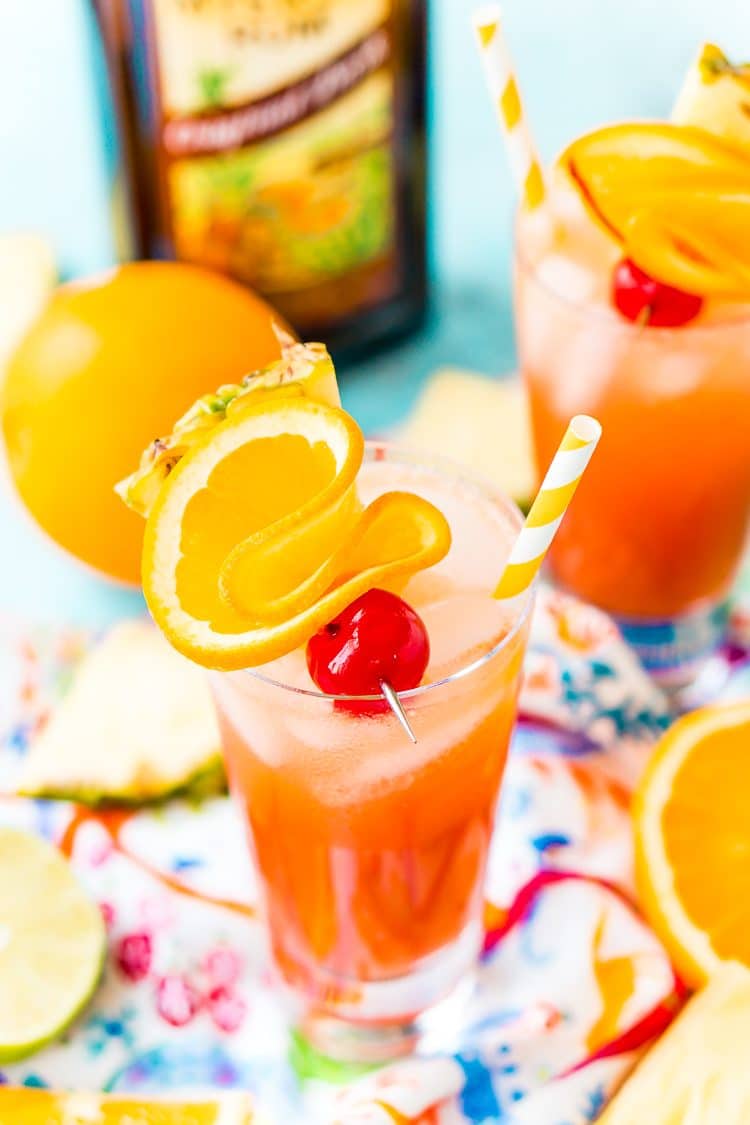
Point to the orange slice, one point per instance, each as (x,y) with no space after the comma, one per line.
(692,833)
(26,1106)
(696,252)
(381,548)
(257,537)
(652,155)
(676,198)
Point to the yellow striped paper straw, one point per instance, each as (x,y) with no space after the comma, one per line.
(503,87)
(548,510)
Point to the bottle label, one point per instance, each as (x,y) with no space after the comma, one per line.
(276,145)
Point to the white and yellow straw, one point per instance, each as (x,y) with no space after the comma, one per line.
(547,512)
(503,88)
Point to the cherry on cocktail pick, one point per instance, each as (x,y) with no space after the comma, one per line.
(378,645)
(640,297)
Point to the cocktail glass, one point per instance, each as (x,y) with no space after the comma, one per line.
(657,529)
(372,851)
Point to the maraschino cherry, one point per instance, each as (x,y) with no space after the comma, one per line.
(375,639)
(640,297)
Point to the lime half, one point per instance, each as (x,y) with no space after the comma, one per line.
(52,944)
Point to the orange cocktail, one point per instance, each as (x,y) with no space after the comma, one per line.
(659,522)
(619,315)
(372,850)
(365,678)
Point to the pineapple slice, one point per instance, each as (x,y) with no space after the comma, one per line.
(304,369)
(136,725)
(27,277)
(698,1070)
(479,422)
(716,97)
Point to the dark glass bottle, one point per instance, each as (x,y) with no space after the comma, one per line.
(281,142)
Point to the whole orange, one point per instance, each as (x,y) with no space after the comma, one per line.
(110,365)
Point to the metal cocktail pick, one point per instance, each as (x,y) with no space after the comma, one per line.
(393,701)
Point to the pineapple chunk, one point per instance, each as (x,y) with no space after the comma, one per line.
(27,277)
(479,422)
(716,97)
(698,1071)
(136,724)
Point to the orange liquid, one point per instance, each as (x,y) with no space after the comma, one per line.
(372,851)
(660,520)
(364,890)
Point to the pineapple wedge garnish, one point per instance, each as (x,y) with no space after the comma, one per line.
(716,97)
(304,369)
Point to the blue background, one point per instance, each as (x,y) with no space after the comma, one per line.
(581,63)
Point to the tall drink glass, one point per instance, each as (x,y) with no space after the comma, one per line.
(371,851)
(656,531)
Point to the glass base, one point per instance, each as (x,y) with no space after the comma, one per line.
(373,1044)
(391,1018)
(678,652)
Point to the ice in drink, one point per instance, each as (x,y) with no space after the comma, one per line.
(371,850)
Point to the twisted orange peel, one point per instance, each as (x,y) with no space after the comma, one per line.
(676,198)
(257,537)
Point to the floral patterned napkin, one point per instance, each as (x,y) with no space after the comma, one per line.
(572,984)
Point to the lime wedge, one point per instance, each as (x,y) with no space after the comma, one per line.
(52,944)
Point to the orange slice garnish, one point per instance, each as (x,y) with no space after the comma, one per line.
(257,537)
(650,159)
(389,541)
(676,198)
(692,825)
(690,250)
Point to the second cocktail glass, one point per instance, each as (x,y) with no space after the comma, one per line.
(657,529)
(632,302)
